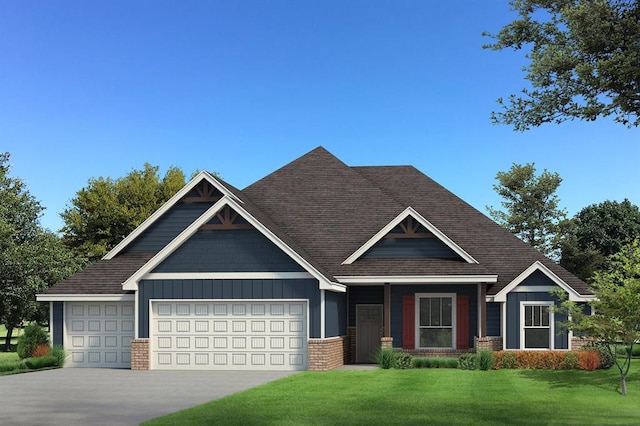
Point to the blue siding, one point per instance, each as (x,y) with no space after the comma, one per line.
(240,250)
(397,292)
(167,227)
(537,278)
(229,289)
(365,295)
(430,248)
(515,322)
(494,326)
(58,323)
(335,314)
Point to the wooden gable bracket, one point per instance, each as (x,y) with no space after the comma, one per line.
(227,218)
(207,193)
(409,227)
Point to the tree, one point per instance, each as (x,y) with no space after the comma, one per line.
(615,320)
(531,205)
(107,210)
(598,231)
(584,61)
(30,258)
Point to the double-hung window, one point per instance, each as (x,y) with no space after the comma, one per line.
(436,314)
(537,325)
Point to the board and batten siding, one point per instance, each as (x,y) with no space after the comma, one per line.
(239,250)
(167,227)
(514,323)
(363,295)
(494,326)
(427,248)
(335,310)
(224,289)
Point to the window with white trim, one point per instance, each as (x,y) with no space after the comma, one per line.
(436,320)
(537,325)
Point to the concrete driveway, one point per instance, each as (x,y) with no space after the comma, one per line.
(100,396)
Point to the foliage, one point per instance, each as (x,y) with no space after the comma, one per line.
(467,361)
(543,360)
(485,360)
(588,360)
(570,361)
(434,362)
(41,349)
(635,351)
(504,360)
(41,362)
(385,358)
(530,206)
(12,366)
(107,210)
(58,352)
(616,305)
(584,61)
(598,231)
(402,360)
(606,356)
(33,336)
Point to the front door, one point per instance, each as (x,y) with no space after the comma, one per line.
(369,328)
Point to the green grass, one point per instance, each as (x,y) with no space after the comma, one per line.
(8,356)
(441,396)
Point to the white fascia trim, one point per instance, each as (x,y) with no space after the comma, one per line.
(85,297)
(501,296)
(132,282)
(409,211)
(418,279)
(227,275)
(166,206)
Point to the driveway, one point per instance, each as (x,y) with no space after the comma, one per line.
(100,396)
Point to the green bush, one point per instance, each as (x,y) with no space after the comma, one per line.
(12,366)
(41,362)
(570,361)
(508,360)
(434,363)
(385,358)
(402,360)
(606,357)
(33,336)
(485,360)
(59,354)
(635,351)
(467,361)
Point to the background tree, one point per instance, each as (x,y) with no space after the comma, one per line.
(598,231)
(584,61)
(616,306)
(107,210)
(30,258)
(530,206)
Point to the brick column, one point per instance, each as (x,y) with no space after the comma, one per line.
(386,342)
(326,354)
(140,354)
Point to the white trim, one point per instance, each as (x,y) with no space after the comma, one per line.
(416,279)
(533,288)
(166,206)
(409,211)
(480,302)
(454,308)
(135,313)
(51,323)
(552,334)
(503,320)
(85,297)
(227,275)
(132,282)
(501,296)
(322,314)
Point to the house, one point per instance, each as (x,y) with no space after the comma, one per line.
(315,265)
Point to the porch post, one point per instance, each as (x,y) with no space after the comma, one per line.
(387,310)
(483,309)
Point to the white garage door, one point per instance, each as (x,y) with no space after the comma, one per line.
(99,334)
(229,335)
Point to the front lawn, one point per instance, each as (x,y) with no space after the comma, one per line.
(430,396)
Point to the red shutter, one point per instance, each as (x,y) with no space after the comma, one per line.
(462,322)
(408,322)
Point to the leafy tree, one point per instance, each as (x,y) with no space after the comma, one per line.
(30,258)
(598,231)
(615,320)
(531,205)
(584,61)
(107,210)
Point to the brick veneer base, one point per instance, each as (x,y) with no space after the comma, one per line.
(488,343)
(386,342)
(578,342)
(326,354)
(140,356)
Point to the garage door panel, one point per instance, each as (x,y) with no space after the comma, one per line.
(99,334)
(229,335)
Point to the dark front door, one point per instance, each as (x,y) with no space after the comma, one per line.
(369,328)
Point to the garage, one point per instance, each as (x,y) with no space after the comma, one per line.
(229,335)
(98,334)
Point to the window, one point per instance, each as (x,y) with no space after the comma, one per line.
(436,320)
(537,325)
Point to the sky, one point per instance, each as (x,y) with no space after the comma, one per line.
(243,87)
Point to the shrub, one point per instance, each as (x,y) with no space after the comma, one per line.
(385,358)
(435,363)
(402,360)
(467,361)
(12,366)
(41,350)
(485,360)
(41,362)
(33,336)
(504,359)
(588,360)
(606,357)
(58,352)
(570,361)
(635,352)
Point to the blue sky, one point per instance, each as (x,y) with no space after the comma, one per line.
(98,88)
